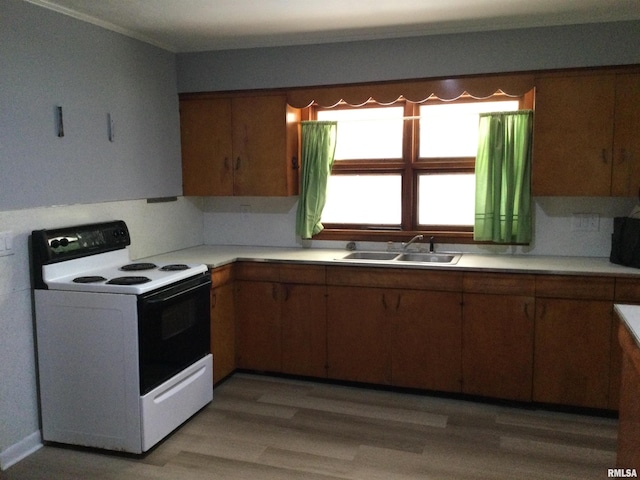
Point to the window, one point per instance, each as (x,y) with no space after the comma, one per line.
(405,168)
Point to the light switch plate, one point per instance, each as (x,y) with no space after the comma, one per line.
(6,243)
(585,222)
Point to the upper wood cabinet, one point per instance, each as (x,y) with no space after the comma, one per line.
(584,140)
(244,145)
(626,142)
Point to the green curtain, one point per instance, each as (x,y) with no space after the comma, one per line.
(318,150)
(503,177)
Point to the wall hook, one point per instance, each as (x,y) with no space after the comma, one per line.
(60,122)
(110,128)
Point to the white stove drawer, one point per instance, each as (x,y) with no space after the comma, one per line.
(169,405)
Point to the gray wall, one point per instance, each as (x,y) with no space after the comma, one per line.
(48,59)
(419,57)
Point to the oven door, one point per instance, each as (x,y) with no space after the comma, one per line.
(173,329)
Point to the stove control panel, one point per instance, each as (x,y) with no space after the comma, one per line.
(61,244)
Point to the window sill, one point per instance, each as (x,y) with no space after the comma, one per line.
(358,235)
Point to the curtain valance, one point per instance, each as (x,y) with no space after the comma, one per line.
(416,91)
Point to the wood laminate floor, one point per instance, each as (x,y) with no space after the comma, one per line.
(267,428)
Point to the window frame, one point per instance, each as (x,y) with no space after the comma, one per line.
(409,167)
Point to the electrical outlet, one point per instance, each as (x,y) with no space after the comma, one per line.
(585,222)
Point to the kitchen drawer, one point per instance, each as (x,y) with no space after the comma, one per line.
(500,284)
(305,274)
(281,273)
(415,279)
(627,290)
(221,275)
(590,288)
(257,271)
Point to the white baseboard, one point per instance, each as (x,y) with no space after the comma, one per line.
(20,450)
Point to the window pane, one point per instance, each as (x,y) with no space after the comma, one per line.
(451,130)
(446,199)
(367,133)
(364,199)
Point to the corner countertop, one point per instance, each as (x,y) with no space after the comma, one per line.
(216,256)
(630,315)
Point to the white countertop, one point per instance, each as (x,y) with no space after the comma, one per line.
(630,315)
(216,256)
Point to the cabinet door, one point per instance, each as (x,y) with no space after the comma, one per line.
(304,329)
(205,132)
(572,355)
(427,346)
(573,135)
(223,332)
(261,163)
(258,321)
(497,345)
(628,454)
(358,334)
(626,144)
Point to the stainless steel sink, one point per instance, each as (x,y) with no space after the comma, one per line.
(415,257)
(448,258)
(371,256)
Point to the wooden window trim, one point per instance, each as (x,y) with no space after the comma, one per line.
(410,167)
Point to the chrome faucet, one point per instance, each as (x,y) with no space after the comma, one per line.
(406,245)
(431,247)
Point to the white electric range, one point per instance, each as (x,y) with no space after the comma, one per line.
(123,347)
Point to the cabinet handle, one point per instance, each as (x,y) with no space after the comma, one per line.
(623,156)
(286,292)
(543,310)
(398,302)
(526,310)
(605,158)
(226,163)
(294,163)
(214,299)
(237,163)
(384,301)
(274,291)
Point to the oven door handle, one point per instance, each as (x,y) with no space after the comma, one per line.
(163,299)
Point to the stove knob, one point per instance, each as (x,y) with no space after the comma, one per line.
(55,243)
(64,242)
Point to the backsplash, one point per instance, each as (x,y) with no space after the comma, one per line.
(271,222)
(155,228)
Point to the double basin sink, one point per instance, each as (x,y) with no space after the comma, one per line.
(414,257)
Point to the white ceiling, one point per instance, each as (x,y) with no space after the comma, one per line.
(199,25)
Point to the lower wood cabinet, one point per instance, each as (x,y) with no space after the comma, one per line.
(541,338)
(426,344)
(627,292)
(628,454)
(395,327)
(223,323)
(497,335)
(259,328)
(573,341)
(358,334)
(281,318)
(304,329)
